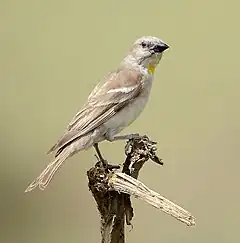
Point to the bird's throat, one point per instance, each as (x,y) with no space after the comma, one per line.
(151,68)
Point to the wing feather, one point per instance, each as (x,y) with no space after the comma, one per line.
(102,104)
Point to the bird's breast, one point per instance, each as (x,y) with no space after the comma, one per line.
(130,112)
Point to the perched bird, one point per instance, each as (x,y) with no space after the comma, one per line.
(113,105)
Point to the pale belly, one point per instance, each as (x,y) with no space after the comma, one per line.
(128,114)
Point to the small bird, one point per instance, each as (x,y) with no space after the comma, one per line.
(113,105)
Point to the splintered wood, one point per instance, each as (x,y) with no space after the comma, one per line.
(112,191)
(126,184)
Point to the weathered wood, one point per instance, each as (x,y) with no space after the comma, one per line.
(112,189)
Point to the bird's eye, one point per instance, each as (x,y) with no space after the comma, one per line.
(144,44)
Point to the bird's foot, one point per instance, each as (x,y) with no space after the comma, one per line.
(104,164)
(112,167)
(111,138)
(133,136)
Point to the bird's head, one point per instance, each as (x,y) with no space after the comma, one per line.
(147,51)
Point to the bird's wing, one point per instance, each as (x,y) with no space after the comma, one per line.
(118,89)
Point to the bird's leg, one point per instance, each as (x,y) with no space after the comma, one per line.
(111,138)
(102,160)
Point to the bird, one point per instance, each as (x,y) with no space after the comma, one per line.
(112,106)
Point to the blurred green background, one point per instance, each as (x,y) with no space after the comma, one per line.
(52,53)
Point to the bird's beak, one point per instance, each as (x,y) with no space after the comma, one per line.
(159,48)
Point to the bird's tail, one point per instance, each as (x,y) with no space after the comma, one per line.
(46,176)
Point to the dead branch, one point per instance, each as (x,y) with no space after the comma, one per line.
(112,189)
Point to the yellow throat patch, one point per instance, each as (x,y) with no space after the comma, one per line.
(151,68)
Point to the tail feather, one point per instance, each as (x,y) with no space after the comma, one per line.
(47,174)
(62,154)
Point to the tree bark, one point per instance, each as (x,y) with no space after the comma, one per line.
(111,190)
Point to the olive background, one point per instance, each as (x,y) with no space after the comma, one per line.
(52,53)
